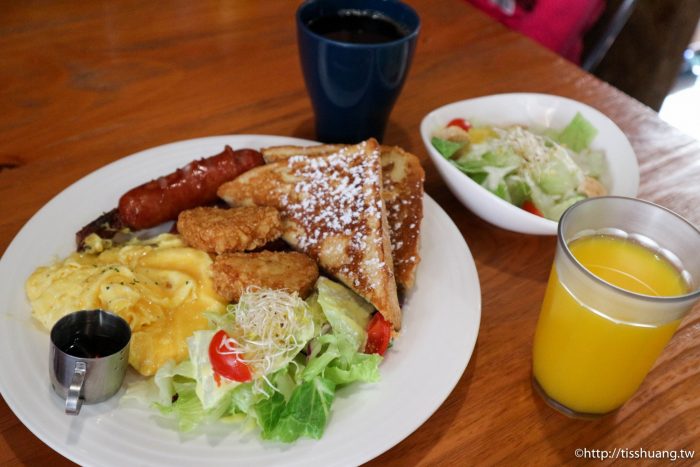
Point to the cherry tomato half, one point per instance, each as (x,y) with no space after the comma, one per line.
(530,207)
(460,122)
(225,360)
(378,334)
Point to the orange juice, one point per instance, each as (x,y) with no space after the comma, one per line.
(586,360)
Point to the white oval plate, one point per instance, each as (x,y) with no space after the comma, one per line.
(537,111)
(441,322)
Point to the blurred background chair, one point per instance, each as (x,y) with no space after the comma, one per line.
(601,37)
(645,56)
(637,46)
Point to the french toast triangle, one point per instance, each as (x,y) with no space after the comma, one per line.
(402,191)
(332,210)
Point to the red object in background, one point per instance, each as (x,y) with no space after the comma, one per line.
(559,25)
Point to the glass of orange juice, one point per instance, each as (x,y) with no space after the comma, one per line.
(625,273)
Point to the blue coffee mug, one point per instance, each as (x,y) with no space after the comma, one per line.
(353,86)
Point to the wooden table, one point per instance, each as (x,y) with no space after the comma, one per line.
(85,83)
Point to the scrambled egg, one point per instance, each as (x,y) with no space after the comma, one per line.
(159,286)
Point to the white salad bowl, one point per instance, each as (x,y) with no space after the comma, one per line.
(541,111)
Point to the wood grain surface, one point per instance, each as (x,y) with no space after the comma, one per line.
(85,83)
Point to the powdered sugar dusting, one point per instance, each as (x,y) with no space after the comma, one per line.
(338,196)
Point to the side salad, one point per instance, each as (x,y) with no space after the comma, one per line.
(543,172)
(273,361)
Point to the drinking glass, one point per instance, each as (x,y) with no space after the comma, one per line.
(595,342)
(353,85)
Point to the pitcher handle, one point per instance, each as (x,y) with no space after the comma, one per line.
(74,401)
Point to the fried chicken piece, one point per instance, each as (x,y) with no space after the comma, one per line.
(216,230)
(292,271)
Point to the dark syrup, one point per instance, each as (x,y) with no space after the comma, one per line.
(85,346)
(358,27)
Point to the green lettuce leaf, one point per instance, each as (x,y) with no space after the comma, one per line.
(489,168)
(305,414)
(495,180)
(188,409)
(242,398)
(556,210)
(501,157)
(333,356)
(361,367)
(470,166)
(556,176)
(518,190)
(268,413)
(578,134)
(502,191)
(318,317)
(347,312)
(446,147)
(592,162)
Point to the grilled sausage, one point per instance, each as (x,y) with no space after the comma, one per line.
(162,199)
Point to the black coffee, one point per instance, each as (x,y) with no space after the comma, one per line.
(84,346)
(360,27)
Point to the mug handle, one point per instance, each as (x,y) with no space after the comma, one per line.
(74,401)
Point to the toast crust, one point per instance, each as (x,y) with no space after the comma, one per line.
(402,183)
(332,209)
